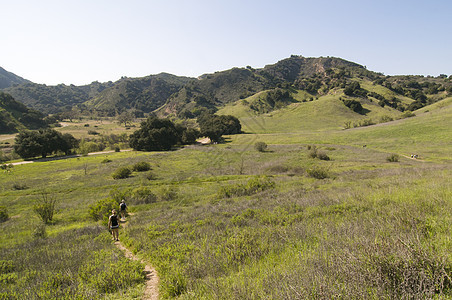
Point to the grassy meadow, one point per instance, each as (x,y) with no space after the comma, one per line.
(229,222)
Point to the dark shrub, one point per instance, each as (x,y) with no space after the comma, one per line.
(141,166)
(151,176)
(18,186)
(253,186)
(312,153)
(322,156)
(260,146)
(318,173)
(3,214)
(393,158)
(121,173)
(102,209)
(144,195)
(45,208)
(39,232)
(168,194)
(106,160)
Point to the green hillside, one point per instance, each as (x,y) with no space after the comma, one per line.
(15,116)
(144,94)
(186,98)
(8,79)
(54,99)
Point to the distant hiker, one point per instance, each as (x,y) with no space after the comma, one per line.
(113,224)
(122,209)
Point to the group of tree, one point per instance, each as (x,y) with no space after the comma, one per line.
(215,126)
(44,142)
(353,105)
(272,99)
(157,134)
(354,89)
(160,135)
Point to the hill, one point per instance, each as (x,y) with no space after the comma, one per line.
(8,79)
(54,99)
(313,77)
(143,95)
(183,97)
(15,116)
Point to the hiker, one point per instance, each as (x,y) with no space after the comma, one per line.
(122,209)
(113,224)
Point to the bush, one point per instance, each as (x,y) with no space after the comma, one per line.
(106,160)
(407,114)
(86,147)
(45,208)
(322,156)
(39,232)
(102,209)
(122,173)
(260,146)
(141,166)
(253,186)
(313,152)
(318,173)
(6,266)
(143,195)
(18,186)
(151,176)
(393,158)
(384,119)
(117,149)
(168,194)
(3,214)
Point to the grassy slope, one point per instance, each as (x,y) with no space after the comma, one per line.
(297,239)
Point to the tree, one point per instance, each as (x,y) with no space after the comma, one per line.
(27,144)
(187,136)
(30,144)
(154,135)
(214,127)
(353,105)
(125,117)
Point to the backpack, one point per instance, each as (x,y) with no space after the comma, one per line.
(114,220)
(123,206)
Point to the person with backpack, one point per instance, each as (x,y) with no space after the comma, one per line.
(122,209)
(113,224)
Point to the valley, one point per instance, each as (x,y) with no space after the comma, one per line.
(331,205)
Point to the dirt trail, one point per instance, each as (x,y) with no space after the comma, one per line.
(151,291)
(413,158)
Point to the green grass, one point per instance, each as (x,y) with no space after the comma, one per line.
(230,222)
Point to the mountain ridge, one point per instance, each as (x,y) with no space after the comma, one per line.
(186,97)
(8,79)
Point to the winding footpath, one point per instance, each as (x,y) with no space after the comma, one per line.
(151,291)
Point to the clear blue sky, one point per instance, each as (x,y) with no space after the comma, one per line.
(80,41)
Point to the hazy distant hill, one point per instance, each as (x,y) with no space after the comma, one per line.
(8,79)
(15,116)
